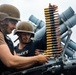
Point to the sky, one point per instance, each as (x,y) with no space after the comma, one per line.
(36,8)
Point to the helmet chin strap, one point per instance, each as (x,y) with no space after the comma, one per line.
(21,40)
(16,39)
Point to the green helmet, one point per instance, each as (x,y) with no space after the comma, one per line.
(24,27)
(10,10)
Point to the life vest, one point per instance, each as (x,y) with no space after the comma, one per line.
(3,68)
(9,43)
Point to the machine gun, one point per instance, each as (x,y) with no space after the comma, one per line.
(61,65)
(56,67)
(70,22)
(65,30)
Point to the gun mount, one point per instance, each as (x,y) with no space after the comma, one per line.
(62,65)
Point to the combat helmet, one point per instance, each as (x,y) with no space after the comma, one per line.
(11,11)
(24,26)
